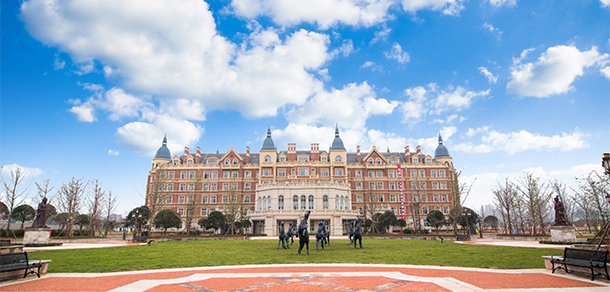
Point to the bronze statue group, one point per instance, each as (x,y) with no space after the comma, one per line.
(322,235)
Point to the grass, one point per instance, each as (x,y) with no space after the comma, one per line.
(179,254)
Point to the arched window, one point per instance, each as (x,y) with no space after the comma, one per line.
(378,161)
(303,201)
(338,158)
(310,202)
(370,161)
(325,202)
(264,203)
(260,203)
(295,203)
(267,158)
(227,161)
(337,202)
(235,161)
(341,207)
(269,206)
(280,202)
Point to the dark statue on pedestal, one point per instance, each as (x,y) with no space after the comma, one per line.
(320,236)
(303,233)
(560,216)
(41,215)
(283,237)
(357,233)
(351,232)
(290,233)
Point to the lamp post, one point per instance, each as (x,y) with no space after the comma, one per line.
(606,165)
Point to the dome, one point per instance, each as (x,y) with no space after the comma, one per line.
(337,143)
(268,143)
(163,152)
(441,150)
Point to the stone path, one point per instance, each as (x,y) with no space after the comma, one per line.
(313,277)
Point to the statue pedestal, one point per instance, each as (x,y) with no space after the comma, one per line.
(563,234)
(36,235)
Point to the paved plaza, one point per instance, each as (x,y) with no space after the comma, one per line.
(314,277)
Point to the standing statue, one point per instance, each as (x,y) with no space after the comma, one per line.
(283,237)
(326,233)
(560,216)
(304,233)
(320,236)
(290,233)
(357,233)
(351,232)
(41,215)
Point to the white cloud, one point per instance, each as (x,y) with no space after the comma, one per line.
(554,71)
(414,108)
(397,54)
(429,144)
(28,172)
(493,29)
(85,112)
(57,63)
(458,99)
(498,3)
(121,104)
(374,66)
(605,71)
(113,152)
(381,35)
(324,13)
(490,77)
(448,7)
(523,140)
(605,3)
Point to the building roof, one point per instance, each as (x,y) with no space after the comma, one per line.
(163,151)
(337,143)
(268,143)
(441,150)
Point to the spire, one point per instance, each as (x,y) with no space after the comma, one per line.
(388,149)
(163,152)
(268,143)
(165,140)
(336,130)
(269,130)
(337,143)
(441,150)
(440,139)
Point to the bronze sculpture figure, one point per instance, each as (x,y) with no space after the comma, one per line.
(41,215)
(320,235)
(304,233)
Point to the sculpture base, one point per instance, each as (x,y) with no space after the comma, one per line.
(563,234)
(36,235)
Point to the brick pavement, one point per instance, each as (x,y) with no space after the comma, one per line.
(313,277)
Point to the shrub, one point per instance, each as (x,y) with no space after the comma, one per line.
(407,231)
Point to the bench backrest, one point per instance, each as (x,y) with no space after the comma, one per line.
(16,258)
(599,256)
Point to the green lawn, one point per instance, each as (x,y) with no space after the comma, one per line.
(178,254)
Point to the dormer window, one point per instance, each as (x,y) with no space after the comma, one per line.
(282,158)
(338,158)
(267,158)
(235,161)
(378,161)
(324,159)
(370,161)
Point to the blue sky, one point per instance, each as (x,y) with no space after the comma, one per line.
(89,88)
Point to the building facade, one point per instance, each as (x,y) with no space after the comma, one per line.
(272,186)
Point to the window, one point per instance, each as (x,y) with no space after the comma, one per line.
(189,199)
(413,173)
(441,173)
(235,161)
(424,198)
(378,161)
(394,210)
(295,203)
(436,199)
(341,201)
(226,174)
(227,161)
(225,199)
(267,158)
(214,187)
(161,187)
(170,187)
(415,198)
(181,212)
(434,185)
(310,201)
(422,185)
(415,160)
(338,171)
(292,171)
(391,173)
(433,173)
(443,186)
(303,201)
(269,201)
(358,186)
(191,174)
(358,173)
(313,171)
(248,174)
(424,210)
(281,172)
(212,162)
(303,171)
(159,200)
(371,161)
(338,158)
(206,174)
(191,187)
(183,187)
(324,171)
(445,210)
(380,198)
(247,187)
(168,200)
(163,175)
(260,203)
(392,198)
(336,202)
(379,173)
(234,174)
(414,186)
(204,199)
(371,173)
(225,186)
(266,171)
(392,186)
(214,174)
(359,198)
(325,202)
(360,210)
(213,199)
(171,175)
(380,186)
(371,186)
(246,199)
(204,212)
(233,187)
(444,198)
(422,173)
(280,202)
(282,158)
(302,159)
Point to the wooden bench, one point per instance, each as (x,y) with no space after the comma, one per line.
(586,258)
(19,261)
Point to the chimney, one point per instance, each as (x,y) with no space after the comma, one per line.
(247,154)
(358,155)
(198,155)
(418,149)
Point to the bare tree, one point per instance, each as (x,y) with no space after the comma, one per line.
(193,200)
(155,197)
(590,198)
(13,196)
(536,198)
(94,204)
(371,207)
(559,189)
(505,199)
(110,205)
(460,192)
(44,190)
(234,209)
(70,200)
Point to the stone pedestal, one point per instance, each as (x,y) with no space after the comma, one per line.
(36,235)
(563,234)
